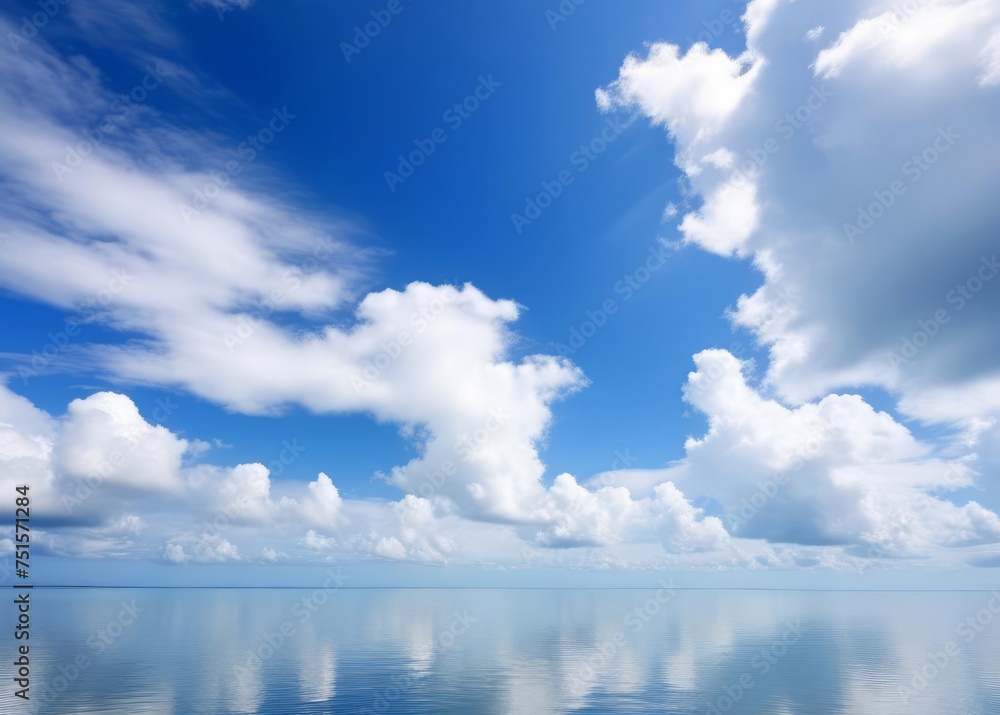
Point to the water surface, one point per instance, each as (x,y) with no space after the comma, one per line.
(408,651)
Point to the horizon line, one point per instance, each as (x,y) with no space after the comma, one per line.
(526,588)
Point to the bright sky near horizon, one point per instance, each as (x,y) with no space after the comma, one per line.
(617,288)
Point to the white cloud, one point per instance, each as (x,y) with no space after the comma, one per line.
(323,507)
(105,437)
(174,553)
(900,99)
(900,38)
(389,548)
(833,472)
(201,548)
(728,218)
(690,94)
(815,33)
(991,62)
(610,516)
(316,542)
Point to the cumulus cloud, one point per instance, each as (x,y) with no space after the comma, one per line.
(908,36)
(580,517)
(829,475)
(862,186)
(834,471)
(104,435)
(203,548)
(831,483)
(116,482)
(99,497)
(692,94)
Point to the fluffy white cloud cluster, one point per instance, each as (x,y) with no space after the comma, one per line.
(107,476)
(106,435)
(829,472)
(854,166)
(111,483)
(609,515)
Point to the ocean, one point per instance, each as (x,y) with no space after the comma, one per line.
(406,651)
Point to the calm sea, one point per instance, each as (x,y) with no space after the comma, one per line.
(202,651)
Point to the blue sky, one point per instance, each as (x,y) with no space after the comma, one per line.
(745,278)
